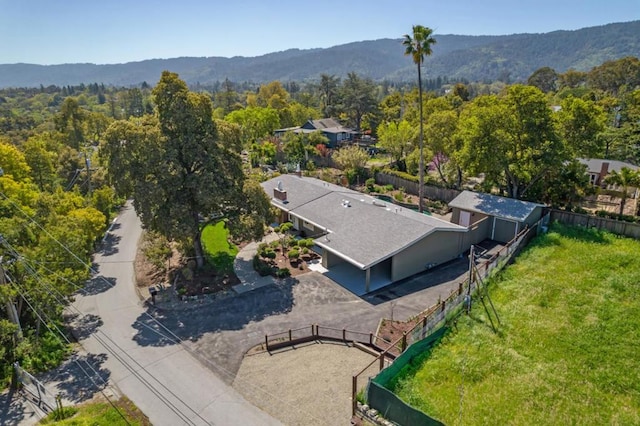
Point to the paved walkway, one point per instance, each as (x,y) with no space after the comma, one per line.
(243,265)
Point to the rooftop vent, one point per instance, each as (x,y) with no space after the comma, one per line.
(346,203)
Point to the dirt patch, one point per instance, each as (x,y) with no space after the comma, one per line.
(179,275)
(306,385)
(296,266)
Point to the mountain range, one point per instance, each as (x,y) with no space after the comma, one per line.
(510,58)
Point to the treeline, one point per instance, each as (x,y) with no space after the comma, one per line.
(70,155)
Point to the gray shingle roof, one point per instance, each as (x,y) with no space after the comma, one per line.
(492,205)
(364,233)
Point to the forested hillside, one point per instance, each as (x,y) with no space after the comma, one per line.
(509,58)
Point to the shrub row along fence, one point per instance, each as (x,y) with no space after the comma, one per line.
(427,333)
(628,229)
(431,192)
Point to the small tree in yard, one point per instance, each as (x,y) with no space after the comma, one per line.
(352,160)
(625,179)
(282,236)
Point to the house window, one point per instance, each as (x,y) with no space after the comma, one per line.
(339,136)
(593,178)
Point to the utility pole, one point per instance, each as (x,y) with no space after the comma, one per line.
(12,313)
(87,163)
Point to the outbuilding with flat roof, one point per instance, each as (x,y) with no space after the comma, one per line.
(501,218)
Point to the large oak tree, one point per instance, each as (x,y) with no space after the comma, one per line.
(177,169)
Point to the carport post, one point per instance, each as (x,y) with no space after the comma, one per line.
(367,280)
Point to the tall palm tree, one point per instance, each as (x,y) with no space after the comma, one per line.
(418,47)
(625,179)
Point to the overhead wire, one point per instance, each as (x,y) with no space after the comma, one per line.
(119,357)
(174,338)
(46,324)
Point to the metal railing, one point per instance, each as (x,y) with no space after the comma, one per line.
(296,336)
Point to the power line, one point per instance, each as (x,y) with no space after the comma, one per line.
(121,358)
(46,324)
(175,338)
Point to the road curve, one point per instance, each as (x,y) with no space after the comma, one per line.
(164,380)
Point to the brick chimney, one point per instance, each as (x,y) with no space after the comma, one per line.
(279,193)
(604,171)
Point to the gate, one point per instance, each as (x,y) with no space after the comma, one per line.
(35,389)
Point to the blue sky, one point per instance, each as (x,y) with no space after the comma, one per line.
(116,31)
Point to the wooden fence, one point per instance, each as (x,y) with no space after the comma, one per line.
(297,336)
(431,192)
(619,227)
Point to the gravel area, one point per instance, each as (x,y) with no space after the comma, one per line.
(306,385)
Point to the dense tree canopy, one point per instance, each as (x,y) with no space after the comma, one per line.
(511,139)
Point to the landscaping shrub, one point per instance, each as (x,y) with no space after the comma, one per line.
(370,184)
(283,273)
(157,250)
(306,243)
(269,254)
(403,175)
(261,267)
(293,254)
(399,196)
(616,216)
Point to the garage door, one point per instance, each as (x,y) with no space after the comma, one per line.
(504,230)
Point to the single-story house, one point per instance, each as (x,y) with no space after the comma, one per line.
(599,168)
(330,128)
(368,242)
(492,217)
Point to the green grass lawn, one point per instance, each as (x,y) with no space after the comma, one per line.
(218,250)
(568,349)
(102,414)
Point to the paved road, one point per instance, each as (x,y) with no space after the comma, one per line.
(160,376)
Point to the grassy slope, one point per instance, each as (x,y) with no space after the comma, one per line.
(568,351)
(218,249)
(103,414)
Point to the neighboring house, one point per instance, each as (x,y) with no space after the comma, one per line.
(492,217)
(330,128)
(365,243)
(599,168)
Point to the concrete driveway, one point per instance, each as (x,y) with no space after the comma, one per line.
(221,332)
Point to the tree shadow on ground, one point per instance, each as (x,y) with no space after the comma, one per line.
(228,313)
(109,244)
(222,262)
(98,284)
(83,326)
(15,410)
(80,377)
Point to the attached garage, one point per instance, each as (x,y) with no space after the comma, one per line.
(366,243)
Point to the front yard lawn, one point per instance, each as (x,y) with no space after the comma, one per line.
(568,349)
(220,252)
